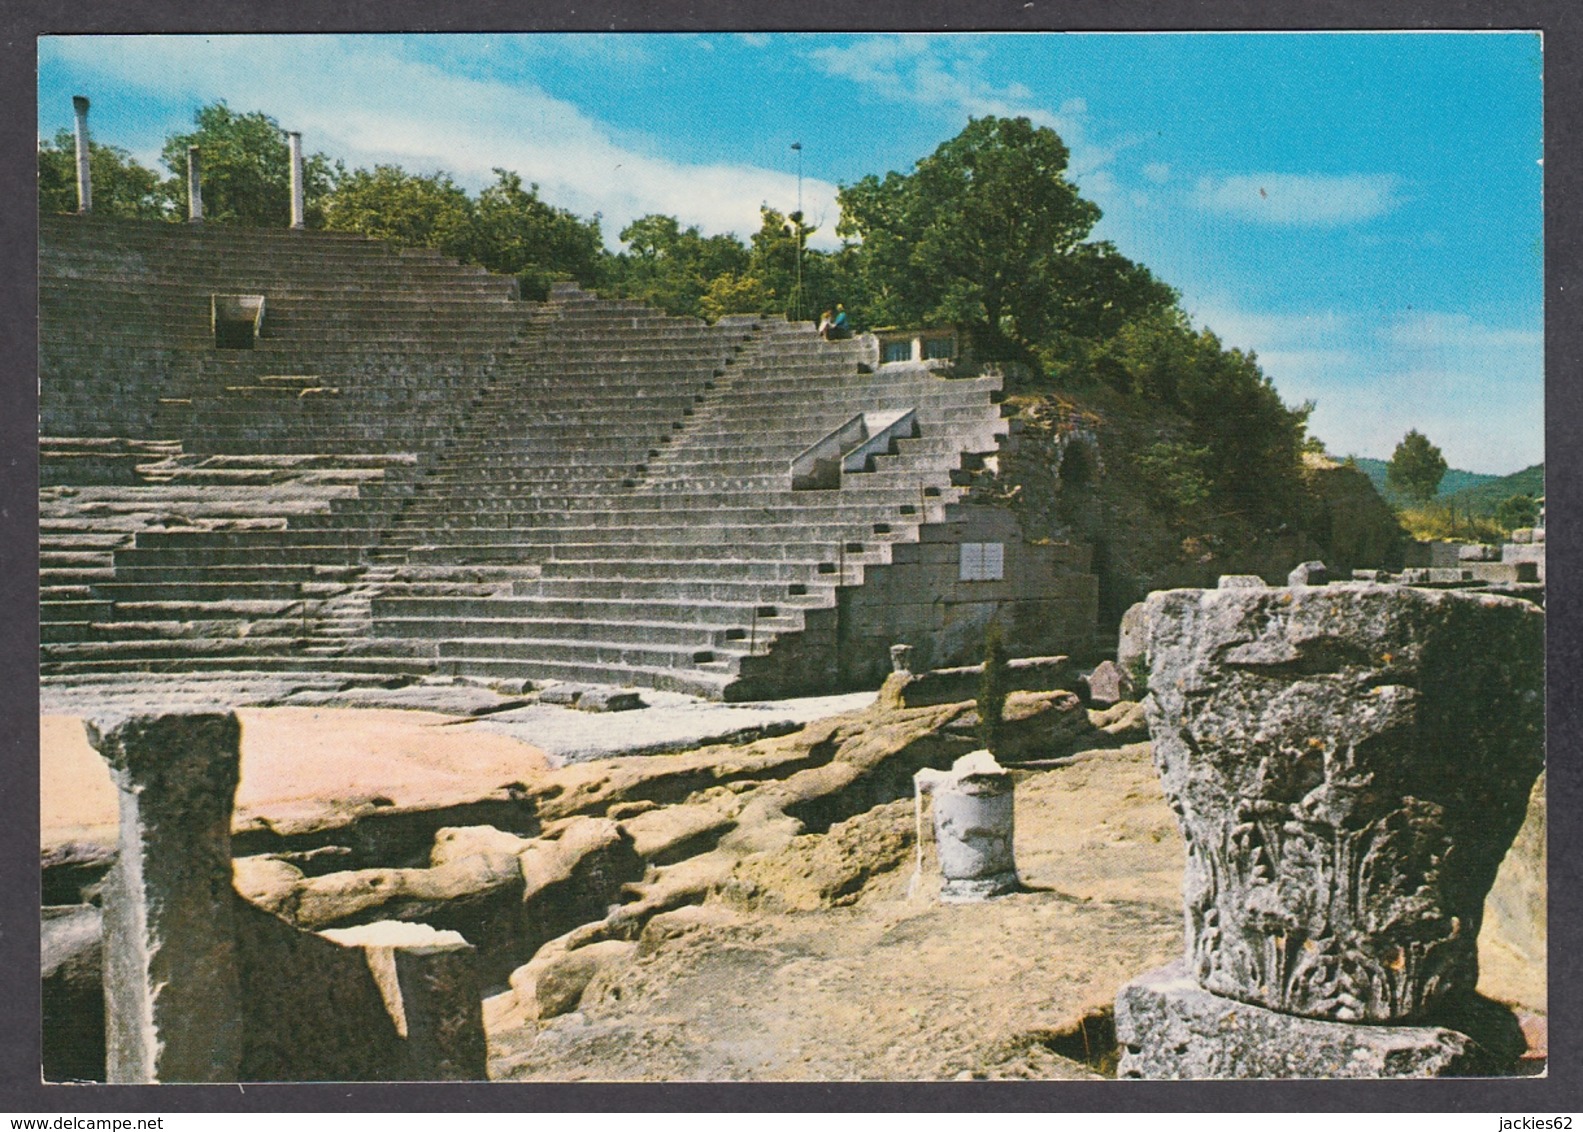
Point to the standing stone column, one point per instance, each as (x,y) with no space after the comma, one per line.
(172,992)
(84,177)
(1348,765)
(194,186)
(298,212)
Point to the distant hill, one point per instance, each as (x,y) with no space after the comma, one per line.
(1483,498)
(1455,480)
(1473,491)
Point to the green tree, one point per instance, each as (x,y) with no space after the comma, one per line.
(988,233)
(735,294)
(121,187)
(517,233)
(677,269)
(1416,467)
(245,170)
(773,261)
(1517,511)
(1244,453)
(993,686)
(411,209)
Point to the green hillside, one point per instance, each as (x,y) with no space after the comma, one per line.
(1463,493)
(1483,498)
(1455,482)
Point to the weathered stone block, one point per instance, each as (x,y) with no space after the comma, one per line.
(1170,1028)
(1348,766)
(71,965)
(171,985)
(429,981)
(600,698)
(1309,574)
(953,685)
(1107,684)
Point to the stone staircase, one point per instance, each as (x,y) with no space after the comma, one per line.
(694,565)
(412,471)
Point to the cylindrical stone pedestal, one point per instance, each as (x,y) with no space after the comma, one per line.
(973,826)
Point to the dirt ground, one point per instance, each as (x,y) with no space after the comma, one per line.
(821,958)
(298,765)
(892,987)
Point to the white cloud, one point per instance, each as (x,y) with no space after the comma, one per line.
(1474,388)
(360,99)
(1458,333)
(1157,171)
(947,74)
(1297,199)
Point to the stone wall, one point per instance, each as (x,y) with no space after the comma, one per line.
(1046,600)
(200,985)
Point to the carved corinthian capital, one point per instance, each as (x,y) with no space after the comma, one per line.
(1349,765)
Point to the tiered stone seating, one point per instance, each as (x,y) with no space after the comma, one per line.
(413,471)
(366,358)
(130,576)
(696,574)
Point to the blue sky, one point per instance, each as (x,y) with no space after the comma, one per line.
(1362,210)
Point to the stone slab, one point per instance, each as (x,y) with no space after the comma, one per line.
(1170,1028)
(954,685)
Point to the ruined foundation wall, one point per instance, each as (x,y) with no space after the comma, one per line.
(1046,600)
(202,986)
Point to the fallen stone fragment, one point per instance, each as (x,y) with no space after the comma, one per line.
(563,695)
(954,685)
(1125,721)
(1309,574)
(609,699)
(1106,684)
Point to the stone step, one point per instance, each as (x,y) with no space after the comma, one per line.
(620,642)
(692,681)
(212,555)
(579,616)
(612,656)
(209,590)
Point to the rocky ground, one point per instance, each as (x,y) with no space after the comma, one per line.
(824,961)
(738,911)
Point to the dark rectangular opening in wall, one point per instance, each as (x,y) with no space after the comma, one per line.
(236,320)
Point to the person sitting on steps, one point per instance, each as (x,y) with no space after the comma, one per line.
(826,325)
(839,327)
